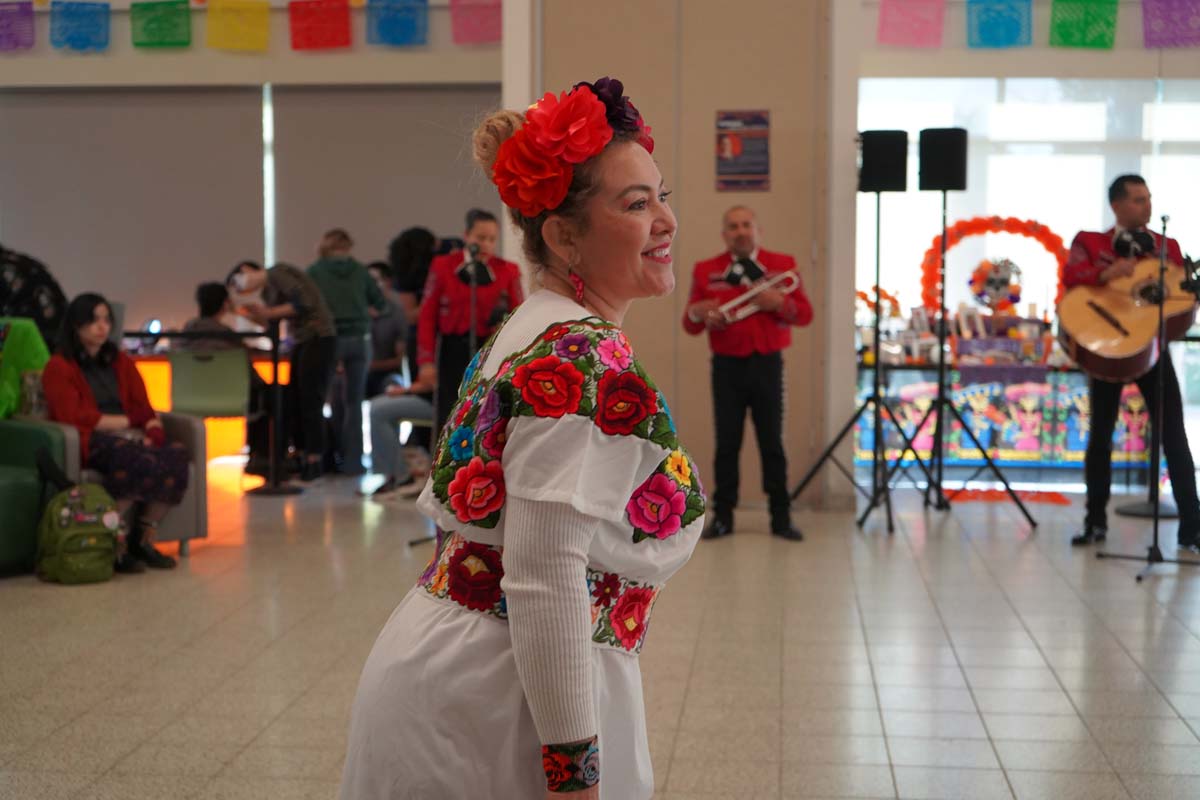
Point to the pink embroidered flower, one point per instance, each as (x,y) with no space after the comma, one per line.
(630,614)
(657,507)
(614,355)
(495,438)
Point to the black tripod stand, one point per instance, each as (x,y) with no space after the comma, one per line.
(1154,552)
(942,405)
(880,490)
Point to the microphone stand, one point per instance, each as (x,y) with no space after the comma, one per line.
(1154,552)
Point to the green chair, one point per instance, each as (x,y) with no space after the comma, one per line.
(210,384)
(21,488)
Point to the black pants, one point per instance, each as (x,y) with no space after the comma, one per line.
(752,382)
(1106,403)
(312,368)
(453,357)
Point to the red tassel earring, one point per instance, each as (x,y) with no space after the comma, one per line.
(577,282)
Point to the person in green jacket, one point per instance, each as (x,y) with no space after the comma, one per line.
(353,297)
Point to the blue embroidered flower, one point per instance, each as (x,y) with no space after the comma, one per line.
(471,370)
(662,405)
(462,443)
(573,345)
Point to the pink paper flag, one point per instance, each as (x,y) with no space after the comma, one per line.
(1171,23)
(911,23)
(475,21)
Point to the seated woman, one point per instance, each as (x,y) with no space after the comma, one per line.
(91,384)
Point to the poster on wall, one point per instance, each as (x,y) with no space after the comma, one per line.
(743,151)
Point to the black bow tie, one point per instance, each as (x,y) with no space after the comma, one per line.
(483,276)
(743,271)
(1131,244)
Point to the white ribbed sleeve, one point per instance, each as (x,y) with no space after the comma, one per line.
(549,614)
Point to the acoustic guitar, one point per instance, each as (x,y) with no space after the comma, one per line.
(1111,331)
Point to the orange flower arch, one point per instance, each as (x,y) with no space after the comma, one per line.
(886,298)
(977,226)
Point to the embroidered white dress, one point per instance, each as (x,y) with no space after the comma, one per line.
(555,410)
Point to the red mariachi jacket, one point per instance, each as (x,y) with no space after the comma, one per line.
(69,397)
(1092,253)
(446,303)
(759,333)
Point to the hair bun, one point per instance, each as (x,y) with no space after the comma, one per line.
(492,133)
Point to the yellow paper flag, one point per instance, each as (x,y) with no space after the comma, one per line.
(239,24)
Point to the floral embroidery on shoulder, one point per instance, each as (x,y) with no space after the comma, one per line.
(668,501)
(584,368)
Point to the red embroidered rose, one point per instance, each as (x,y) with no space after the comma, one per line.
(622,401)
(629,616)
(556,333)
(474,574)
(606,589)
(551,386)
(463,410)
(557,767)
(477,490)
(573,126)
(529,179)
(495,438)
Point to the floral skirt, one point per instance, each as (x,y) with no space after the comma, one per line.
(133,471)
(440,713)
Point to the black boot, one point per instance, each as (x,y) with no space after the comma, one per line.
(722,525)
(140,546)
(1091,533)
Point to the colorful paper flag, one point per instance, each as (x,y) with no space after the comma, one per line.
(475,21)
(161,24)
(1171,23)
(911,23)
(319,24)
(239,25)
(999,23)
(79,26)
(1083,23)
(16,26)
(398,23)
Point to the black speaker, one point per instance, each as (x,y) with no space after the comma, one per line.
(884,161)
(943,159)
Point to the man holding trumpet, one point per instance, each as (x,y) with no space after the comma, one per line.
(747,299)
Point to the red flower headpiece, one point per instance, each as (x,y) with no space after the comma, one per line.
(534,167)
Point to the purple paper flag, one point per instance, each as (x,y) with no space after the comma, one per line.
(16,26)
(911,23)
(475,21)
(1171,23)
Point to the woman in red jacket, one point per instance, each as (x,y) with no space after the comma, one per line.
(444,325)
(91,384)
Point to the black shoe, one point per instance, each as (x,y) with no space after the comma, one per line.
(128,565)
(259,466)
(791,533)
(1188,536)
(152,558)
(718,528)
(311,471)
(1091,533)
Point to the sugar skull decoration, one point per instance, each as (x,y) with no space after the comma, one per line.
(995,285)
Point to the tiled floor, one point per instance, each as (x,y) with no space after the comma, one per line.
(961,658)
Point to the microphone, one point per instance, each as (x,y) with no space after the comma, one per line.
(473,251)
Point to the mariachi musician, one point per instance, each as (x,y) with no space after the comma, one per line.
(747,363)
(1096,259)
(445,330)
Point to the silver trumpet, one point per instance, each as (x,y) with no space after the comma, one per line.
(743,306)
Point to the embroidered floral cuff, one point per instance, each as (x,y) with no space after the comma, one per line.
(571,767)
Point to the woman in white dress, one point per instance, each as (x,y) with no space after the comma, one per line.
(510,670)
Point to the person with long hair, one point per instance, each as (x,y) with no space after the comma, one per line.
(91,384)
(511,669)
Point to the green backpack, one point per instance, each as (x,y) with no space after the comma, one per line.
(77,537)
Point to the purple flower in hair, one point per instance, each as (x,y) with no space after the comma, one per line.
(619,111)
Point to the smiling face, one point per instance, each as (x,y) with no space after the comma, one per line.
(625,252)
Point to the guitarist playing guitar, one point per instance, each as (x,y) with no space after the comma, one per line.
(1096,259)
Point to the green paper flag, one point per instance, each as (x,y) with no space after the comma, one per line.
(1083,23)
(161,24)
